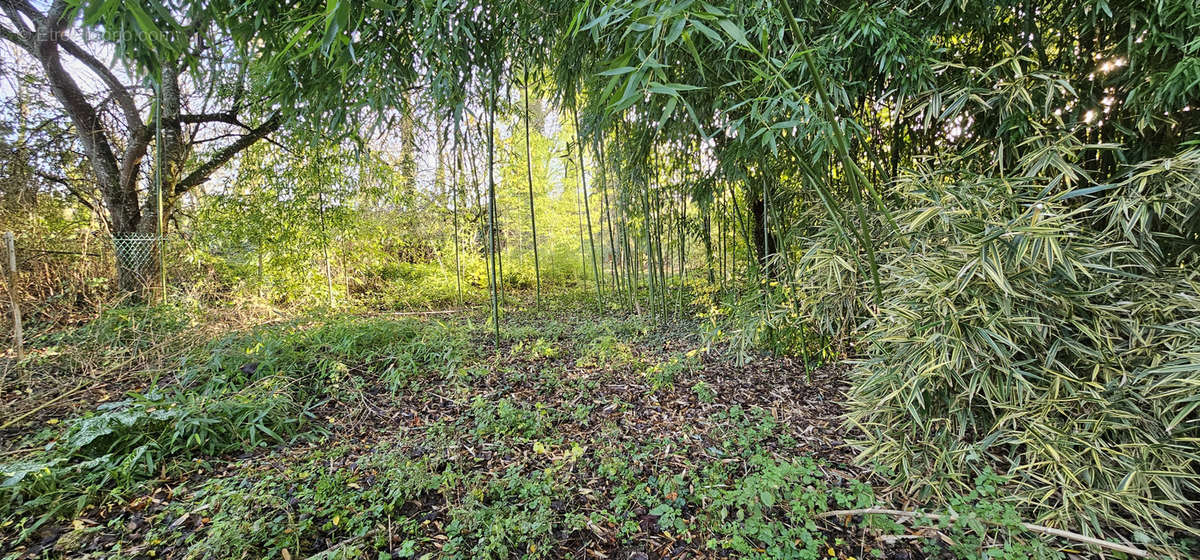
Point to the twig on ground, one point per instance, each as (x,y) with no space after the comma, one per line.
(34,410)
(325,553)
(433,312)
(1028,527)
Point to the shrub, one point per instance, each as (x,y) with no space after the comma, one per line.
(1014,334)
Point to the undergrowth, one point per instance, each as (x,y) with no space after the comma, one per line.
(527,452)
(241,392)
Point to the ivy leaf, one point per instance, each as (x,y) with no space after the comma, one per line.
(661,510)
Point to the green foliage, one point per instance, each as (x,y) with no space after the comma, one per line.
(631,328)
(152,426)
(510,517)
(768,513)
(293,507)
(981,525)
(608,352)
(1014,336)
(991,207)
(241,392)
(394,350)
(663,375)
(537,349)
(504,418)
(132,440)
(763,508)
(128,329)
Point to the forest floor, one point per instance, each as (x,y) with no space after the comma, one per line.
(581,436)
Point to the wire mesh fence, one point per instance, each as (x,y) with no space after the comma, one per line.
(137,253)
(67,278)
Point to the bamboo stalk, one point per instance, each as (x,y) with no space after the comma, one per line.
(537,273)
(325,248)
(158,143)
(596,273)
(454,199)
(607,213)
(491,156)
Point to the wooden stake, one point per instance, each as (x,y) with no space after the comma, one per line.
(18,335)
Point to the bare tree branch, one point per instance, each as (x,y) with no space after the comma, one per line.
(133,117)
(120,197)
(79,195)
(202,173)
(13,37)
(23,35)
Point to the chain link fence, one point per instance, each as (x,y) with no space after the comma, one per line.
(138,253)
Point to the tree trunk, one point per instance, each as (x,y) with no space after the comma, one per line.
(46,37)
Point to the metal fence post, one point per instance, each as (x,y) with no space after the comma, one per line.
(18,336)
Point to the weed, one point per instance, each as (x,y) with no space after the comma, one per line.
(664,374)
(130,328)
(704,392)
(519,333)
(395,350)
(504,418)
(536,349)
(241,392)
(607,352)
(982,526)
(631,329)
(131,440)
(768,513)
(512,516)
(305,506)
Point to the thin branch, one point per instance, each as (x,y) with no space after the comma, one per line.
(213,139)
(133,117)
(22,32)
(225,117)
(14,38)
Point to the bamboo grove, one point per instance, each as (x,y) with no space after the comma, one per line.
(992,209)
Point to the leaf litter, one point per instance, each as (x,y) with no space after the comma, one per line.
(593,419)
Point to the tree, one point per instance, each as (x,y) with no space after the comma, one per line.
(116,143)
